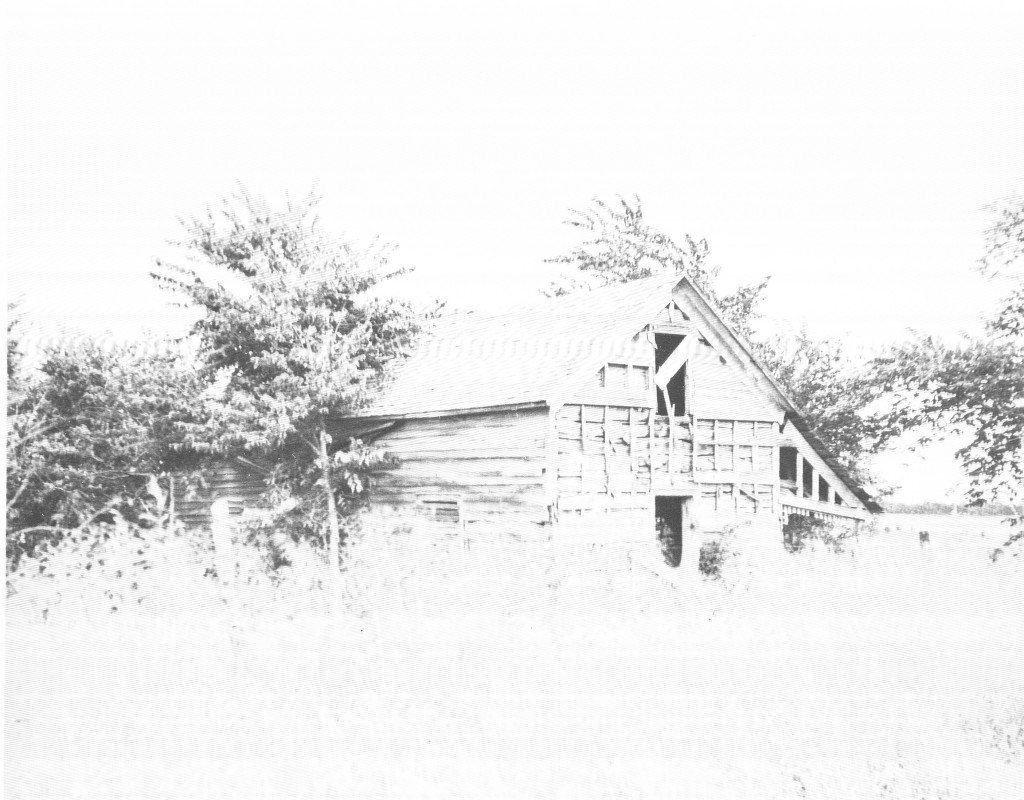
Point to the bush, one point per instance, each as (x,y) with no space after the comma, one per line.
(713,557)
(799,531)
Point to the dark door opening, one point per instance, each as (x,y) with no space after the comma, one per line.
(664,344)
(670,521)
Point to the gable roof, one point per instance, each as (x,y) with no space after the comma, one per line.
(525,355)
(531,355)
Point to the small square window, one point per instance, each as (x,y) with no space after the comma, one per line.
(440,508)
(617,377)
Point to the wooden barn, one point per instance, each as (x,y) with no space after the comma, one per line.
(629,414)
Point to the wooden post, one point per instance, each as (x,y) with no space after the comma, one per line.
(799,473)
(170,501)
(671,443)
(334,531)
(607,453)
(634,466)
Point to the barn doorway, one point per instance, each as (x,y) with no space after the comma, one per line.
(670,520)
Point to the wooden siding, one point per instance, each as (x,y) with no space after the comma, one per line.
(720,390)
(240,483)
(492,462)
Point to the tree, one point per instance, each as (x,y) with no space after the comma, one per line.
(292,337)
(624,247)
(975,387)
(85,436)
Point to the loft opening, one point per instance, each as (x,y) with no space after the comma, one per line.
(671,401)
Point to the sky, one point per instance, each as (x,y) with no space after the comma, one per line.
(851,151)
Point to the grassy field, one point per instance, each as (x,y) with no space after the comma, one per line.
(887,671)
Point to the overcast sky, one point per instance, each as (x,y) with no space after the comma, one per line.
(849,152)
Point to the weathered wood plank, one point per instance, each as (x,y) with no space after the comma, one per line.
(468,469)
(528,453)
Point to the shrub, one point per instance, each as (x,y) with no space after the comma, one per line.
(799,531)
(713,557)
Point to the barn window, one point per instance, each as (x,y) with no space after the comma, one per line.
(444,509)
(617,377)
(634,378)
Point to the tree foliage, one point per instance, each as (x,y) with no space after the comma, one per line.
(86,436)
(622,247)
(974,387)
(292,337)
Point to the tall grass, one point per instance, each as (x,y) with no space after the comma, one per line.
(885,671)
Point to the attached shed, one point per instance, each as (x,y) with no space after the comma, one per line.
(630,413)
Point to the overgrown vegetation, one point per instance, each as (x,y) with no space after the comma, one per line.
(479,681)
(799,531)
(89,435)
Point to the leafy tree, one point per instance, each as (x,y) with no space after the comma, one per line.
(293,338)
(623,247)
(974,387)
(977,389)
(85,436)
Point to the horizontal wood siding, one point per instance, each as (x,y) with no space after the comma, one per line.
(492,462)
(721,391)
(242,485)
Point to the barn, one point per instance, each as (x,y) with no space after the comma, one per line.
(629,415)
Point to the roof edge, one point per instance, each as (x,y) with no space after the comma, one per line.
(450,412)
